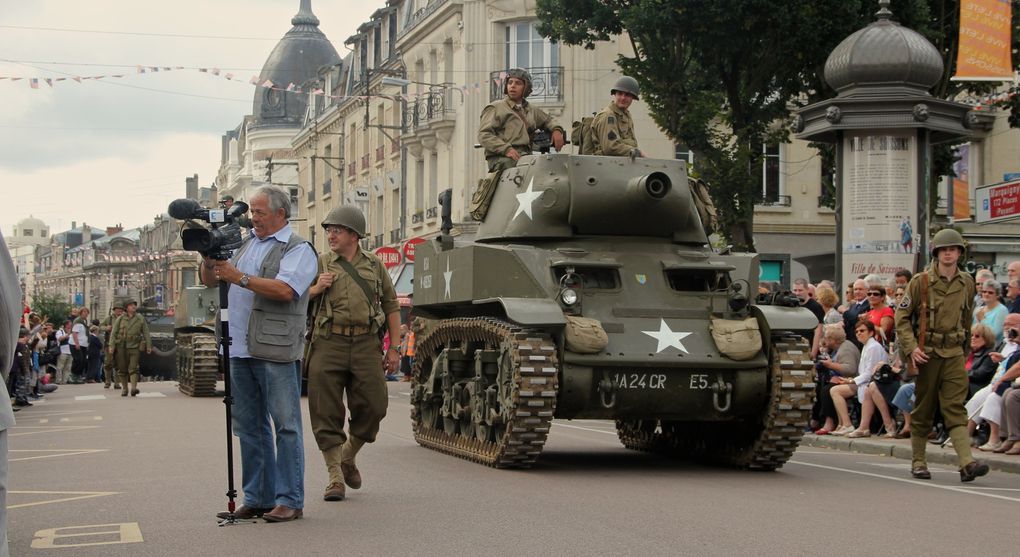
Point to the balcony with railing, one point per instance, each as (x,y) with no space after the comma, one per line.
(774,201)
(377,241)
(417,217)
(430,109)
(546,84)
(394,236)
(431,213)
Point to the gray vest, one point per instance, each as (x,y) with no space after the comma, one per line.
(276,329)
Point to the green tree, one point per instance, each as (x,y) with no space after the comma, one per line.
(723,75)
(53,308)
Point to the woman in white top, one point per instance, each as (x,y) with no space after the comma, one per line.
(872,356)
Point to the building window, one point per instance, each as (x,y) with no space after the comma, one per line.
(27,232)
(526,48)
(433,180)
(419,185)
(377,46)
(684,153)
(392,34)
(771,185)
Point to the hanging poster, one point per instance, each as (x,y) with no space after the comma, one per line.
(880,193)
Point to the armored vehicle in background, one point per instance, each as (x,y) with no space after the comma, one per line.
(198,363)
(161,364)
(590,291)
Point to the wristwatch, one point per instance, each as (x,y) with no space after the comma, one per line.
(244,281)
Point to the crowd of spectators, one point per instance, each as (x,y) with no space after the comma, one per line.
(862,385)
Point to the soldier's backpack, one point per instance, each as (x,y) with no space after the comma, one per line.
(581,135)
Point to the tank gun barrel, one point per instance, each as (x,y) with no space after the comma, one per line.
(655,185)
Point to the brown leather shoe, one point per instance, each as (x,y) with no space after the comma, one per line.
(334,492)
(352,476)
(1005,446)
(920,472)
(244,513)
(1015,450)
(282,513)
(975,469)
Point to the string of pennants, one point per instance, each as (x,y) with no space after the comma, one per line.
(37,82)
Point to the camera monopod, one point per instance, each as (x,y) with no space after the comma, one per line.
(228,402)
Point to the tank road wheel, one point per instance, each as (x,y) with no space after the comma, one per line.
(641,435)
(502,403)
(773,440)
(197,364)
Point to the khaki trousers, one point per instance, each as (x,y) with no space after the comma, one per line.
(941,383)
(352,366)
(127,366)
(109,375)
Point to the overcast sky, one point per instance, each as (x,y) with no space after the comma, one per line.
(115,150)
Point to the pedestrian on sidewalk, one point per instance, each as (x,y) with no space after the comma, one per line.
(947,308)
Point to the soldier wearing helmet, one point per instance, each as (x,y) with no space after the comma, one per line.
(109,363)
(612,130)
(354,299)
(507,124)
(946,296)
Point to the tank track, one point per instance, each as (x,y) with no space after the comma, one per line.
(197,364)
(527,381)
(782,425)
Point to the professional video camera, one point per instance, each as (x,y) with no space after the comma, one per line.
(218,242)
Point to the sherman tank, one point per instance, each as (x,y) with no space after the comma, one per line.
(161,363)
(590,291)
(198,364)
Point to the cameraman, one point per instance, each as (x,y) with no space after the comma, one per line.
(268,279)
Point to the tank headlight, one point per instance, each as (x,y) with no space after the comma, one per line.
(568,296)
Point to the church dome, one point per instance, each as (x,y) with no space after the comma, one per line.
(31,231)
(883,54)
(296,58)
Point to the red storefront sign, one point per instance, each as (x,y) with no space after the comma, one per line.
(409,248)
(389,256)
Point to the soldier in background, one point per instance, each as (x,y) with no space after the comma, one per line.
(109,364)
(612,130)
(354,299)
(129,337)
(941,380)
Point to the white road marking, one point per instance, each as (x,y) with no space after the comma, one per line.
(150,395)
(90,397)
(82,419)
(613,433)
(918,483)
(57,452)
(77,495)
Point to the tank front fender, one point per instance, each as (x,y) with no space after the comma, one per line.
(530,312)
(776,319)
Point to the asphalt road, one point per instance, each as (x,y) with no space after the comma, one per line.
(92,473)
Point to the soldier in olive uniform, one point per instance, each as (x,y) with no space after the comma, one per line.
(345,352)
(109,367)
(941,380)
(129,337)
(612,130)
(507,124)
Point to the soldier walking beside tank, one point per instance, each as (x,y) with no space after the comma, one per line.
(109,364)
(130,335)
(507,125)
(354,300)
(941,353)
(612,130)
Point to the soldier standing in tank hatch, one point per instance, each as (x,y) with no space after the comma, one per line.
(612,130)
(129,337)
(109,364)
(507,124)
(941,380)
(354,298)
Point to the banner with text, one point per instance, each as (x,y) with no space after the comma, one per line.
(984,53)
(879,204)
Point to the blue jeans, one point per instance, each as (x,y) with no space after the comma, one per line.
(264,390)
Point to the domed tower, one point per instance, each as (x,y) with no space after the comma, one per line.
(296,58)
(30,231)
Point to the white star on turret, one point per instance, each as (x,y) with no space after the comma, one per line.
(447,276)
(667,337)
(526,198)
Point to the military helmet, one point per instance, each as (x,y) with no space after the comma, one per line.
(945,238)
(348,216)
(519,73)
(130,302)
(627,84)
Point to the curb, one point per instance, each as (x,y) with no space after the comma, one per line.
(901,449)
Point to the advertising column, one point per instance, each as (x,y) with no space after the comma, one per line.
(879,225)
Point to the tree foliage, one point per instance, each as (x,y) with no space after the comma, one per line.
(53,308)
(722,76)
